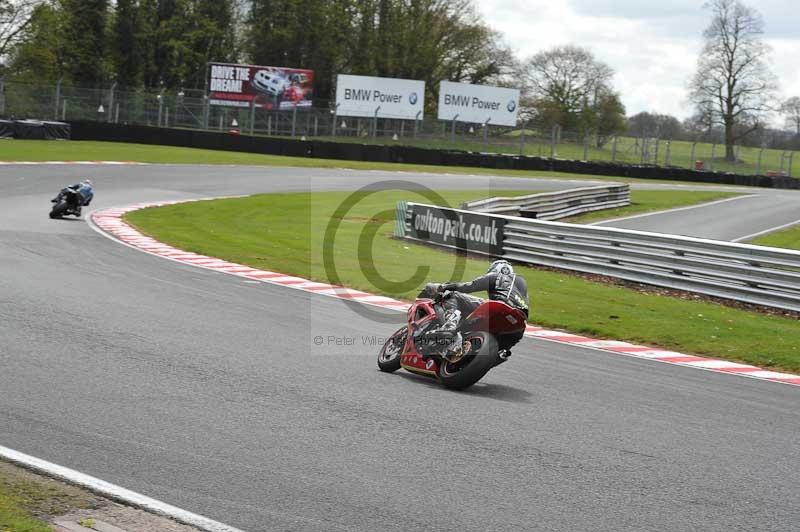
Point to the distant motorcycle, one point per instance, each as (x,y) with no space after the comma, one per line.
(487,333)
(67,202)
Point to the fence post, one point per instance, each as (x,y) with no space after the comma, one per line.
(614,149)
(166,117)
(294,119)
(692,161)
(116,114)
(206,110)
(269,125)
(160,99)
(758,165)
(668,156)
(713,154)
(58,96)
(416,123)
(335,115)
(375,122)
(586,146)
(3,99)
(655,155)
(789,170)
(553,133)
(486,132)
(252,117)
(64,111)
(522,140)
(453,129)
(111,100)
(643,151)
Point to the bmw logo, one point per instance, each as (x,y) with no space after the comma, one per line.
(512,105)
(413,98)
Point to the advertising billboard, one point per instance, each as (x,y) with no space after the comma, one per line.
(478,103)
(270,87)
(366,96)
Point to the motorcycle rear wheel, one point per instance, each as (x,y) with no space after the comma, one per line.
(469,370)
(392,350)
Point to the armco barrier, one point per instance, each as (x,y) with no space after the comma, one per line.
(740,272)
(83,130)
(555,205)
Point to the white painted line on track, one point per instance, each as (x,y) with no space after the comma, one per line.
(676,209)
(765,231)
(113,491)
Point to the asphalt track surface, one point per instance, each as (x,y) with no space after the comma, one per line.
(209,393)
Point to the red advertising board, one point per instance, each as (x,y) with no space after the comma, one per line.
(270,87)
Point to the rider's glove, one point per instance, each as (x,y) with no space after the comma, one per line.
(447,286)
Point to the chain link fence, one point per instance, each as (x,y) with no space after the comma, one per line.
(191,109)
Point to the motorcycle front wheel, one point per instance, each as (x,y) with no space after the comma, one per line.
(481,357)
(389,357)
(59,209)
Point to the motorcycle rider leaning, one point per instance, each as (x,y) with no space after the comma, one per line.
(501,283)
(84,194)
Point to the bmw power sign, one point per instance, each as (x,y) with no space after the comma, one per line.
(367,96)
(478,104)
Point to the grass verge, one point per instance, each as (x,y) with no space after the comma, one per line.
(787,238)
(255,231)
(26,500)
(49,150)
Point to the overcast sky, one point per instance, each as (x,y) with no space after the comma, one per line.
(652,45)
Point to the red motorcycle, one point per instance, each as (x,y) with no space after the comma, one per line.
(487,333)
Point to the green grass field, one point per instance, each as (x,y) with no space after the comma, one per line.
(253,231)
(787,238)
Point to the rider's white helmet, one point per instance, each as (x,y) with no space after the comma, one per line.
(500,266)
(87,182)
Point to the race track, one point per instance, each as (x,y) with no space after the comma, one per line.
(209,393)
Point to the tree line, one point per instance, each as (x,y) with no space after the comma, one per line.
(166,44)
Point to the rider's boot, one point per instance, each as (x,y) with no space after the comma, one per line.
(448,331)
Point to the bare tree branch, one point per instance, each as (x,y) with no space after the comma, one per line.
(733,85)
